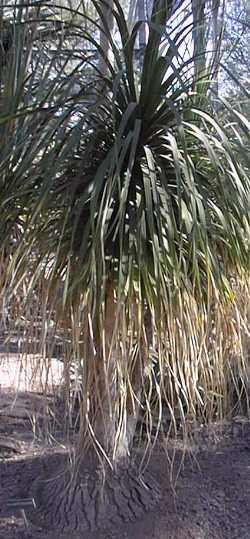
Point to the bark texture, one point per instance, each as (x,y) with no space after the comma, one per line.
(92,501)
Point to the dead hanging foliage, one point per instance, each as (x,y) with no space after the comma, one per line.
(165,368)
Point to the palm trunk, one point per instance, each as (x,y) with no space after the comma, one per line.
(115,414)
(105,488)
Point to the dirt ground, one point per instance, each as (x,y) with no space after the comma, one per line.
(210,499)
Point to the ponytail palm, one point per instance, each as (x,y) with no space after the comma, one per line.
(141,229)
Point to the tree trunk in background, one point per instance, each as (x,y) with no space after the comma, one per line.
(216,48)
(132,13)
(141,15)
(107,26)
(198,12)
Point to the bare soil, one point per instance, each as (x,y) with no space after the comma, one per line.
(204,495)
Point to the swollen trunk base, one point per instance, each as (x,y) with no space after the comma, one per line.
(88,503)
